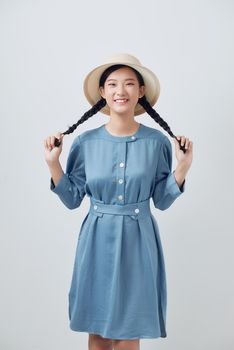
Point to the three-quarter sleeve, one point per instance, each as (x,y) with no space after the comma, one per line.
(71,186)
(166,189)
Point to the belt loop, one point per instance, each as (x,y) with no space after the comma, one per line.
(94,208)
(135,217)
(98,213)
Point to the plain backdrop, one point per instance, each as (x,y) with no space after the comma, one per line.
(47,49)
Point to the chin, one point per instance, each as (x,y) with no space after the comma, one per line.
(121,108)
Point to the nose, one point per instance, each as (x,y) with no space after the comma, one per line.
(120,91)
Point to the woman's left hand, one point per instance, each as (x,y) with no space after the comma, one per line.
(186,158)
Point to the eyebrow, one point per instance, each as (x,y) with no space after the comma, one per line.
(125,79)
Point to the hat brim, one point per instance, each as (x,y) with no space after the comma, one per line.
(91,86)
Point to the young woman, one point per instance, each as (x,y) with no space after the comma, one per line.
(118,292)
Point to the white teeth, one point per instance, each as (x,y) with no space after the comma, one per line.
(120,100)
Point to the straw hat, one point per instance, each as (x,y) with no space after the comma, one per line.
(91,82)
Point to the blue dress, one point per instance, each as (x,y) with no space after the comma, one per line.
(118,288)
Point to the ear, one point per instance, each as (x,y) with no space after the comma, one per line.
(101,91)
(141,91)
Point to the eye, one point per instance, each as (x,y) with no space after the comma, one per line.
(114,84)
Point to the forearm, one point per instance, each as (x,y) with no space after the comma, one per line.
(180,173)
(56,171)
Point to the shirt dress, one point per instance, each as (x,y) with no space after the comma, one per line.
(118,286)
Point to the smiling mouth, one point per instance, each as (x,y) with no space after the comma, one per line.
(121,101)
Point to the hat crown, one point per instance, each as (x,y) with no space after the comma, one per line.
(122,58)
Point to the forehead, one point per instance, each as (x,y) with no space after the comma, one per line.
(122,74)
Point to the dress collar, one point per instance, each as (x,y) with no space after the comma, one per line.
(129,138)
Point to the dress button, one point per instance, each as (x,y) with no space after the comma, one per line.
(95,207)
(133,137)
(120,197)
(120,181)
(137,210)
(121,164)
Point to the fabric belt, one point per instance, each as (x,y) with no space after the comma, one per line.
(135,210)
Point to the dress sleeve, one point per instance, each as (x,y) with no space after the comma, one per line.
(71,186)
(166,189)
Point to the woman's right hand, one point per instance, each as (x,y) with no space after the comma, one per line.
(52,152)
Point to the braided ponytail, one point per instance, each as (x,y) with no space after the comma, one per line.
(152,112)
(102,102)
(99,105)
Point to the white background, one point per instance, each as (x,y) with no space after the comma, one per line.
(47,48)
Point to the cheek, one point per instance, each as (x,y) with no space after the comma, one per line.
(109,96)
(133,93)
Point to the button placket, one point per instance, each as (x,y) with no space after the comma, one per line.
(121,165)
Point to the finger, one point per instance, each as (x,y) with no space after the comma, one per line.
(59,135)
(48,142)
(179,141)
(45,144)
(52,141)
(182,140)
(187,143)
(189,146)
(176,141)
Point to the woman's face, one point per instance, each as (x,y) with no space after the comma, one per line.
(122,84)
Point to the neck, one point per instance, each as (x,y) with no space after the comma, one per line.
(122,125)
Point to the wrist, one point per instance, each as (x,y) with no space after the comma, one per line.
(53,163)
(182,167)
(180,175)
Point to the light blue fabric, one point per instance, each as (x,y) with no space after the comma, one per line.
(118,288)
